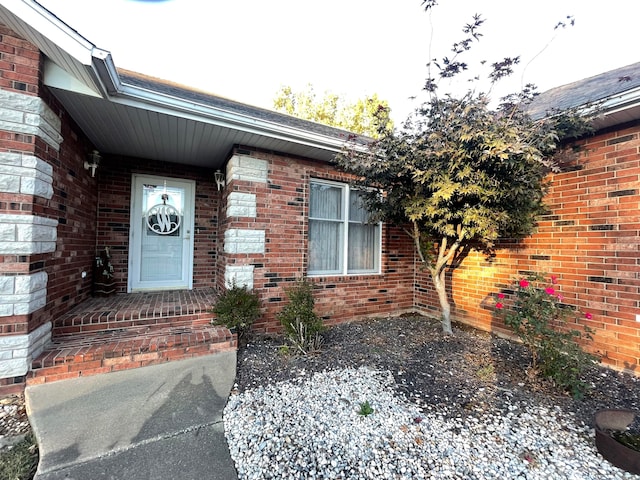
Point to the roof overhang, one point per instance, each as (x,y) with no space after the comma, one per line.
(127,114)
(612,98)
(618,109)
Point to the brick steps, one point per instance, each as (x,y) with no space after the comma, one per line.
(158,309)
(128,331)
(108,322)
(90,353)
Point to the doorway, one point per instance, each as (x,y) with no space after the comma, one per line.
(161,234)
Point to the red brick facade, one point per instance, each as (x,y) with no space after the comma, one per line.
(591,239)
(282,212)
(114,214)
(17,57)
(72,204)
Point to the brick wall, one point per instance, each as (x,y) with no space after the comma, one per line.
(282,212)
(114,214)
(73,205)
(47,208)
(20,65)
(590,240)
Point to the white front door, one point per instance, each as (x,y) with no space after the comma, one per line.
(161,234)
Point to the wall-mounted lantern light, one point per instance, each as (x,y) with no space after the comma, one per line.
(220,180)
(93,162)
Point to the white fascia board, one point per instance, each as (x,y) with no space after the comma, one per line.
(51,27)
(146,99)
(106,71)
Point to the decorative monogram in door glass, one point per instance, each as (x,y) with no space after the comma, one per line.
(163,218)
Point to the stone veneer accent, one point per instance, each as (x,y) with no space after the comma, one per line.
(241,205)
(17,351)
(29,115)
(248,169)
(25,174)
(27,234)
(244,241)
(240,274)
(22,294)
(243,168)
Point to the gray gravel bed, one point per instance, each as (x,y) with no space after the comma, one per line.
(445,407)
(310,428)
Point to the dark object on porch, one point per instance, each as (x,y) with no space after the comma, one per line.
(103,279)
(621,456)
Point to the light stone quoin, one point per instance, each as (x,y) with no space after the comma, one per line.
(240,274)
(249,169)
(25,174)
(244,241)
(22,294)
(241,205)
(27,234)
(29,115)
(17,351)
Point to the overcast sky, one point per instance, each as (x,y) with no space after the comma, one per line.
(246,49)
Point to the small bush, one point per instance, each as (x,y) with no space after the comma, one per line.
(539,318)
(237,308)
(302,326)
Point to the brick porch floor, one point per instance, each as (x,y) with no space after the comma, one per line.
(126,331)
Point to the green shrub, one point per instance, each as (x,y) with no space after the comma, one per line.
(302,326)
(237,308)
(539,318)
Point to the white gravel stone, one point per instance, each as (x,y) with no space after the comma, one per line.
(311,429)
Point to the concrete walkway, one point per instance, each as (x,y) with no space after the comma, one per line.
(157,422)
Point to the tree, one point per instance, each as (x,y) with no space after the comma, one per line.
(459,175)
(364,116)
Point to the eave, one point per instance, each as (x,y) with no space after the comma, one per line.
(128,114)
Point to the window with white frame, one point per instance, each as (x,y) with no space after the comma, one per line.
(341,239)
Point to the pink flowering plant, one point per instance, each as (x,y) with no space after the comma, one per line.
(540,320)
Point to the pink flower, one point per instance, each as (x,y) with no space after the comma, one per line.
(554,279)
(588,316)
(499,305)
(501,296)
(559,297)
(524,283)
(550,290)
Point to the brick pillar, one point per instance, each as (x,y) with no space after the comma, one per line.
(241,242)
(29,131)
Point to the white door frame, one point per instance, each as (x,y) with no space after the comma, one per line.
(134,282)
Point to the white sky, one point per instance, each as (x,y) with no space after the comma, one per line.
(246,49)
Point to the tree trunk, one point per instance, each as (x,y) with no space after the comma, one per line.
(439,281)
(446,253)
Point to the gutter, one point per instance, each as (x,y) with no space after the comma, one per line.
(41,20)
(137,97)
(101,71)
(621,101)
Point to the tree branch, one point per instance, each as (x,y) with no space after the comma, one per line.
(416,239)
